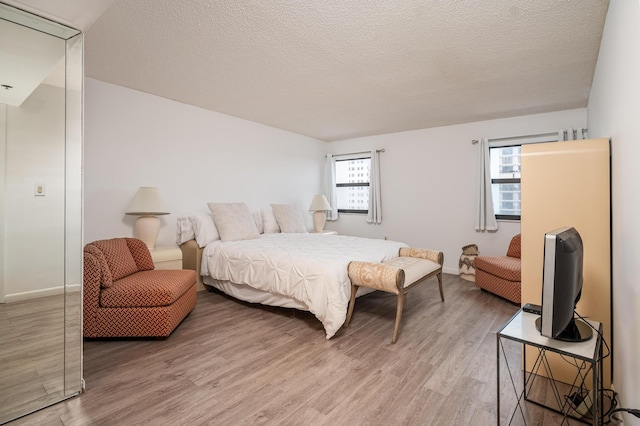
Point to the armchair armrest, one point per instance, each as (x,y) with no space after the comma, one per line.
(91,281)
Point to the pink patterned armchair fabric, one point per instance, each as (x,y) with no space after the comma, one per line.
(500,275)
(124,296)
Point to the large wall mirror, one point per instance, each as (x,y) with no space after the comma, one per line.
(40,212)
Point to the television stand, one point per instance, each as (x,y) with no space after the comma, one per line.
(566,402)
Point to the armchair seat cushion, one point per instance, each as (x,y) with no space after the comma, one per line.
(504,267)
(506,289)
(147,289)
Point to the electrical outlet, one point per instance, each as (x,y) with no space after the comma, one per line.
(39,190)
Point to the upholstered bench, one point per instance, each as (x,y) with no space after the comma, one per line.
(397,276)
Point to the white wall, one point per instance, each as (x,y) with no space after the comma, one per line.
(192,155)
(428,183)
(614,110)
(34,226)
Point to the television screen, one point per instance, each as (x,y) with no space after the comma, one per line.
(562,287)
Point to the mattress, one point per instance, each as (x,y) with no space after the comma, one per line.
(307,270)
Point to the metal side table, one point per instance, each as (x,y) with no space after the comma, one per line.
(588,359)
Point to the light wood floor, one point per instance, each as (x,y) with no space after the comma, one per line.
(231,363)
(31,354)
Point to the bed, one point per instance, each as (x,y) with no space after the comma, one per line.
(301,270)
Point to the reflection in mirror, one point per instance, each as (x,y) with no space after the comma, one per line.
(40,213)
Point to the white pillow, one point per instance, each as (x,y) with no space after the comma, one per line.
(184,230)
(289,218)
(269,221)
(233,221)
(204,229)
(257,217)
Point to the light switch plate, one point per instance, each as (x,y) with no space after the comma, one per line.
(39,190)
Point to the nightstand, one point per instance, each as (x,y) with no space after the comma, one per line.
(167,257)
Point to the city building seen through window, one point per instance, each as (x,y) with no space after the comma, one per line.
(352,185)
(505,181)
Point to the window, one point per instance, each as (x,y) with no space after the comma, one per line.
(505,181)
(352,185)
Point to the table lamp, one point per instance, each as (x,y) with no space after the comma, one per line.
(147,205)
(319,205)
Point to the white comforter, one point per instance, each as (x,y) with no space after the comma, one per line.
(310,268)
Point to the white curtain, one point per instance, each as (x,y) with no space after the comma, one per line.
(573,134)
(330,186)
(485,218)
(375,206)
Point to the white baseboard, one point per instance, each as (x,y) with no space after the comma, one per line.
(17,297)
(74,287)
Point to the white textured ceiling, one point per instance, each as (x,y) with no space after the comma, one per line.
(79,14)
(337,69)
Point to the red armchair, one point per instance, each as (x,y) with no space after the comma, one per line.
(501,275)
(125,297)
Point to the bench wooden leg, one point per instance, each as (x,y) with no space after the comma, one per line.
(398,316)
(352,302)
(440,285)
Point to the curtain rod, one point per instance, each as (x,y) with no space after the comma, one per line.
(361,152)
(539,135)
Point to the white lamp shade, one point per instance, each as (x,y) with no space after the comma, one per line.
(147,202)
(319,204)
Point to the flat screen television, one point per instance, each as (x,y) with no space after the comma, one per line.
(562,287)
